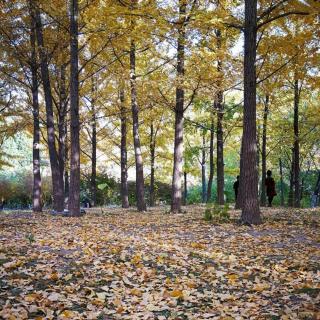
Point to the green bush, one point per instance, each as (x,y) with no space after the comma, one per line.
(217,213)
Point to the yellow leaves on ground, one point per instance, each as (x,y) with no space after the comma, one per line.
(188,269)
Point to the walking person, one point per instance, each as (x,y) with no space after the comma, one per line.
(271,187)
(236,187)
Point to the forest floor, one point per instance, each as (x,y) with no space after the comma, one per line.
(119,264)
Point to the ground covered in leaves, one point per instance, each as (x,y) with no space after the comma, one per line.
(115,264)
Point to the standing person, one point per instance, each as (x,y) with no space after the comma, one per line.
(271,187)
(236,187)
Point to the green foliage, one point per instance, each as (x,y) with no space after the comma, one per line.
(217,213)
(30,237)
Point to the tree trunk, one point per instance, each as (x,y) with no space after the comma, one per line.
(36,196)
(152,160)
(291,185)
(263,199)
(249,174)
(74,191)
(220,146)
(94,146)
(57,179)
(296,147)
(141,205)
(203,169)
(281,183)
(123,151)
(179,111)
(185,182)
(211,162)
(315,196)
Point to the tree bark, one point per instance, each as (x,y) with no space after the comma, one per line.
(57,179)
(123,151)
(74,191)
(263,198)
(296,147)
(141,205)
(93,179)
(152,160)
(185,182)
(211,162)
(176,192)
(36,196)
(249,173)
(220,146)
(203,169)
(281,183)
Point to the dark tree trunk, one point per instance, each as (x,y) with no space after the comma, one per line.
(291,183)
(185,194)
(124,165)
(141,205)
(179,111)
(263,199)
(203,169)
(211,162)
(281,183)
(74,191)
(36,196)
(57,179)
(66,169)
(152,160)
(249,174)
(296,147)
(94,146)
(220,146)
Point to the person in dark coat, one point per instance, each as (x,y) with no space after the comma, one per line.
(271,187)
(236,187)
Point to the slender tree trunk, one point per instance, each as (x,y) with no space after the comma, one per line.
(220,146)
(249,173)
(66,168)
(263,199)
(179,111)
(203,169)
(94,146)
(57,179)
(296,147)
(141,205)
(36,197)
(185,182)
(281,183)
(124,165)
(152,160)
(211,162)
(291,183)
(74,192)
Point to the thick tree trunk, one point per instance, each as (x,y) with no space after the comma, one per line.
(211,162)
(220,146)
(123,151)
(93,179)
(36,196)
(57,179)
(249,174)
(179,111)
(263,199)
(141,205)
(281,183)
(185,183)
(203,169)
(152,160)
(74,191)
(296,147)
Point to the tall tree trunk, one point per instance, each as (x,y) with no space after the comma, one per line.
(281,183)
(123,151)
(220,146)
(263,199)
(74,192)
(57,179)
(211,162)
(94,146)
(249,173)
(203,169)
(66,168)
(185,183)
(141,205)
(179,111)
(296,147)
(36,196)
(152,160)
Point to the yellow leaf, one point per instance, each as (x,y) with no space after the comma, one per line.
(177,294)
(67,314)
